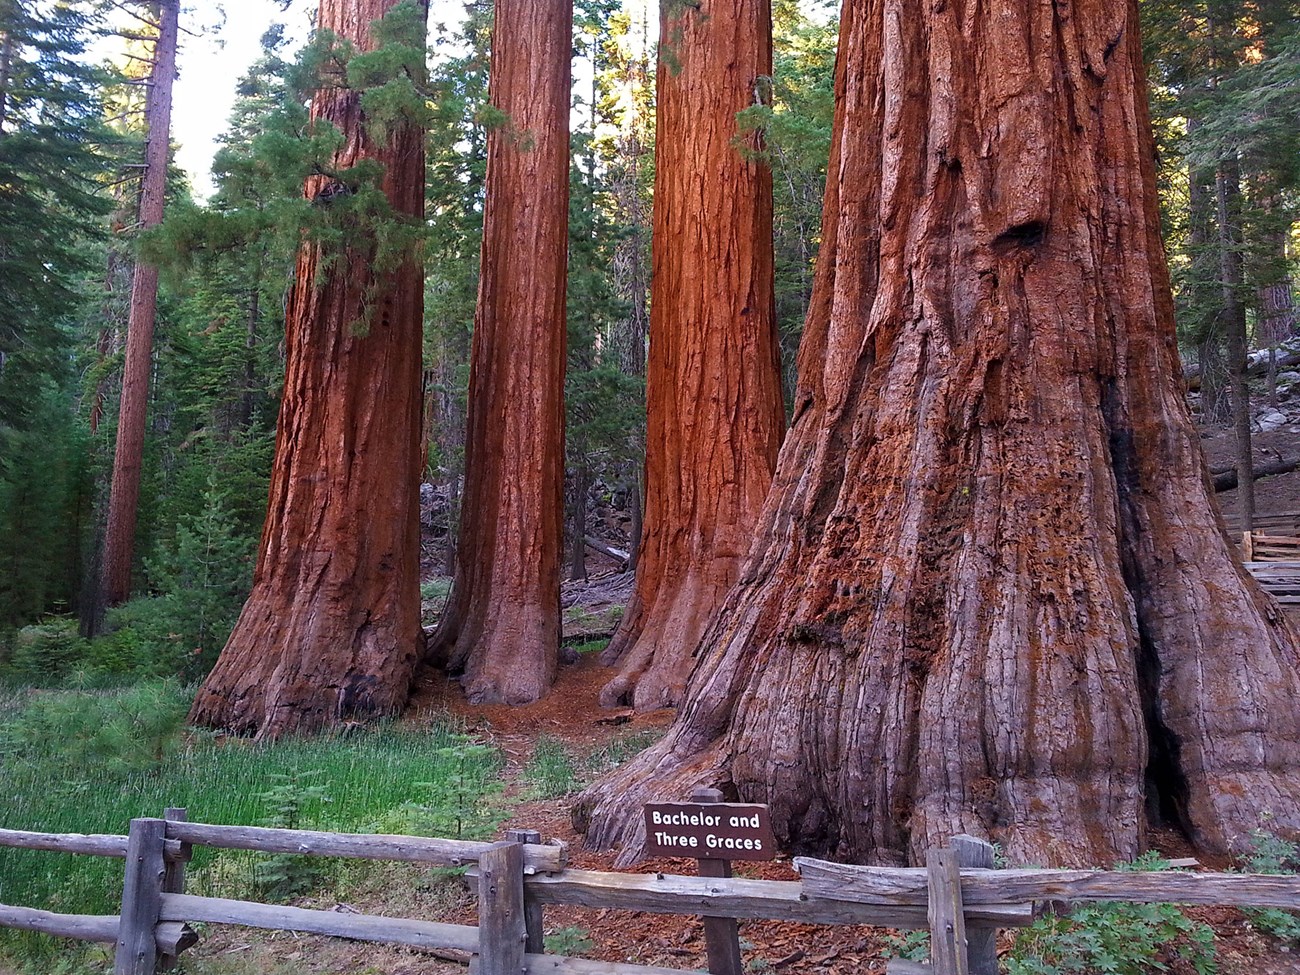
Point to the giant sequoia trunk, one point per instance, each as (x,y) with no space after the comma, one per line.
(990,591)
(713,389)
(331,629)
(128,457)
(502,625)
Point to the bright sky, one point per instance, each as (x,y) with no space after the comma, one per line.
(212,63)
(219,42)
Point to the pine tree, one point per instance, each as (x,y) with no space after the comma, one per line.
(52,157)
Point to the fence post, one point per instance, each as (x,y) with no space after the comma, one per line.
(174,883)
(137,946)
(947,918)
(534,944)
(721,934)
(981,942)
(501,930)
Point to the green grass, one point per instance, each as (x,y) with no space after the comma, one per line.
(551,772)
(363,779)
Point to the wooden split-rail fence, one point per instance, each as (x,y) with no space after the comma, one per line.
(958,896)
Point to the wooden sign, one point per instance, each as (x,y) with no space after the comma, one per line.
(709,831)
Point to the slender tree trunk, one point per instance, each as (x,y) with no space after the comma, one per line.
(124,496)
(1204,295)
(331,629)
(578,524)
(1228,188)
(502,625)
(252,314)
(713,389)
(990,591)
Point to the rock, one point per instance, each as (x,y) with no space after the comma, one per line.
(1271,420)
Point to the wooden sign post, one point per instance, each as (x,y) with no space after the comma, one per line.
(715,833)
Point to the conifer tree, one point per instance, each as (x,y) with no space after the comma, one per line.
(330,631)
(501,629)
(119,532)
(51,158)
(713,388)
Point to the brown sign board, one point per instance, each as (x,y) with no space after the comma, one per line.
(709,831)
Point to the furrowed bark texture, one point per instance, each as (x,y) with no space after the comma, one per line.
(128,457)
(713,386)
(331,629)
(502,625)
(990,591)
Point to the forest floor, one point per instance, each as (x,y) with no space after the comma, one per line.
(572,716)
(1273,495)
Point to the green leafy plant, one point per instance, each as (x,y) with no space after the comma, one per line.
(1270,853)
(85,734)
(571,940)
(44,654)
(910,946)
(617,751)
(1116,938)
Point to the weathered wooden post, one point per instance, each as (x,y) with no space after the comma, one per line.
(981,942)
(721,934)
(947,916)
(137,946)
(174,937)
(715,833)
(501,928)
(534,943)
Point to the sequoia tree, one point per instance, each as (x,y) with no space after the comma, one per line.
(990,591)
(501,629)
(124,495)
(331,629)
(714,416)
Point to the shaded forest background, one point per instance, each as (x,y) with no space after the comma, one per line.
(1225,98)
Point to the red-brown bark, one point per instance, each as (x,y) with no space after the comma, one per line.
(713,387)
(124,493)
(990,591)
(502,625)
(331,630)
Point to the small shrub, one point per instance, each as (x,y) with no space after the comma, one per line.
(90,733)
(283,875)
(910,945)
(590,646)
(1115,938)
(46,654)
(570,940)
(457,802)
(1273,854)
(204,576)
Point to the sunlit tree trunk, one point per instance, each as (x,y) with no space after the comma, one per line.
(124,495)
(502,625)
(331,629)
(990,591)
(713,387)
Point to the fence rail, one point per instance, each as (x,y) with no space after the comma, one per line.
(957,896)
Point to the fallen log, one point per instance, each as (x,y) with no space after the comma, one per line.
(1192,372)
(596,545)
(1227,480)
